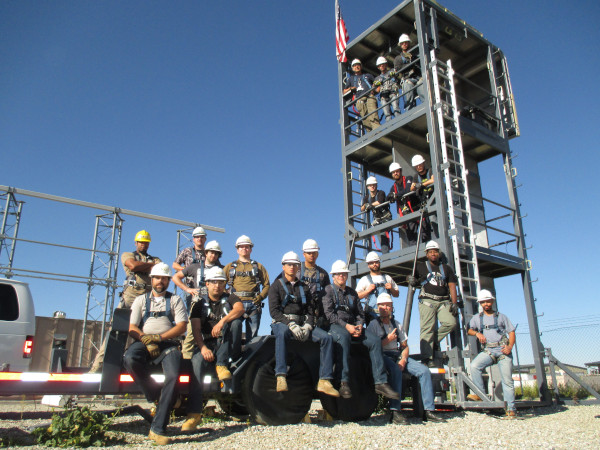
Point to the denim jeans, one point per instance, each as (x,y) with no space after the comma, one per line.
(343,339)
(505,365)
(252,321)
(390,105)
(414,368)
(137,362)
(410,100)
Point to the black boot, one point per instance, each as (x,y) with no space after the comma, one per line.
(387,391)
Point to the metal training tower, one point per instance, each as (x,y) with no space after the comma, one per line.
(461,127)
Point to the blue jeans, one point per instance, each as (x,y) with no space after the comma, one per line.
(343,339)
(410,100)
(137,362)
(414,368)
(390,105)
(252,321)
(282,334)
(505,365)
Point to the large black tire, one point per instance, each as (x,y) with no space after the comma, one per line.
(417,398)
(269,407)
(233,406)
(363,401)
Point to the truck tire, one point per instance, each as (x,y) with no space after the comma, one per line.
(269,407)
(363,401)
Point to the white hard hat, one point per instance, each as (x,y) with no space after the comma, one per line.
(384,297)
(403,38)
(371,180)
(161,270)
(199,231)
(356,61)
(416,160)
(290,258)
(381,60)
(215,273)
(432,245)
(395,166)
(243,240)
(484,295)
(213,246)
(339,267)
(310,245)
(372,256)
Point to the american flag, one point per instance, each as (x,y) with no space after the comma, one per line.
(341,35)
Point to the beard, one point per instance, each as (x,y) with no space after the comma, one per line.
(159,289)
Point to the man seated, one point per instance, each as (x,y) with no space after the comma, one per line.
(395,357)
(158,318)
(217,330)
(346,316)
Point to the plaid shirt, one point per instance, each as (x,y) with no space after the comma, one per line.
(187,255)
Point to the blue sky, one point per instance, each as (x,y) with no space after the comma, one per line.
(226,113)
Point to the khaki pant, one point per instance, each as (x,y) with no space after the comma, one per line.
(365,106)
(431,311)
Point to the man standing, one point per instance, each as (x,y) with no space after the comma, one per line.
(360,84)
(315,277)
(346,316)
(410,71)
(157,319)
(214,320)
(373,201)
(194,254)
(137,266)
(437,300)
(292,310)
(395,356)
(406,205)
(388,90)
(423,187)
(244,277)
(491,330)
(373,284)
(196,272)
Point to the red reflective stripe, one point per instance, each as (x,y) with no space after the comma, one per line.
(125,378)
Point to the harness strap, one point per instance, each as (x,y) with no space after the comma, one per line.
(254,273)
(289,296)
(167,312)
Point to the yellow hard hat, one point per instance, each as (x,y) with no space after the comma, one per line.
(142,236)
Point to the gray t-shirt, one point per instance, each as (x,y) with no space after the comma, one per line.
(381,330)
(492,335)
(157,325)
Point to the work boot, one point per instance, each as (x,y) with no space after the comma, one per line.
(192,421)
(474,398)
(387,391)
(159,439)
(327,388)
(223,373)
(281,383)
(511,414)
(432,416)
(344,390)
(397,418)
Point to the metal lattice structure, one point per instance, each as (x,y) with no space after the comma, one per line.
(467,117)
(9,230)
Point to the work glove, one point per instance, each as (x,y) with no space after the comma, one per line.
(306,329)
(413,281)
(454,309)
(296,331)
(150,339)
(257,301)
(391,197)
(153,350)
(368,206)
(417,186)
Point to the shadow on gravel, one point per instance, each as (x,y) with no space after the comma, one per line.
(15,437)
(207,434)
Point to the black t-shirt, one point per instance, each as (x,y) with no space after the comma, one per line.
(210,312)
(436,284)
(379,197)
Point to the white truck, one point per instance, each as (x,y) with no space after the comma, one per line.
(17,326)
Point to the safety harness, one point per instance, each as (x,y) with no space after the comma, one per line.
(379,289)
(393,322)
(488,345)
(316,280)
(254,273)
(379,218)
(290,297)
(338,307)
(131,278)
(428,190)
(156,314)
(408,203)
(223,309)
(440,281)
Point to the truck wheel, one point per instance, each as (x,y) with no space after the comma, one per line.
(417,399)
(269,407)
(233,406)
(363,401)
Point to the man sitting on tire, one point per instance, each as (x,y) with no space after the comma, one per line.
(395,356)
(293,312)
(346,316)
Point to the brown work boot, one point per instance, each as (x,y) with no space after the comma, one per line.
(345,391)
(474,398)
(223,373)
(159,439)
(387,391)
(281,383)
(192,421)
(511,414)
(432,416)
(327,388)
(397,418)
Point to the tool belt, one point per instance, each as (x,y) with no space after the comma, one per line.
(247,294)
(132,283)
(424,294)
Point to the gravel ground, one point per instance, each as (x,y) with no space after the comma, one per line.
(561,427)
